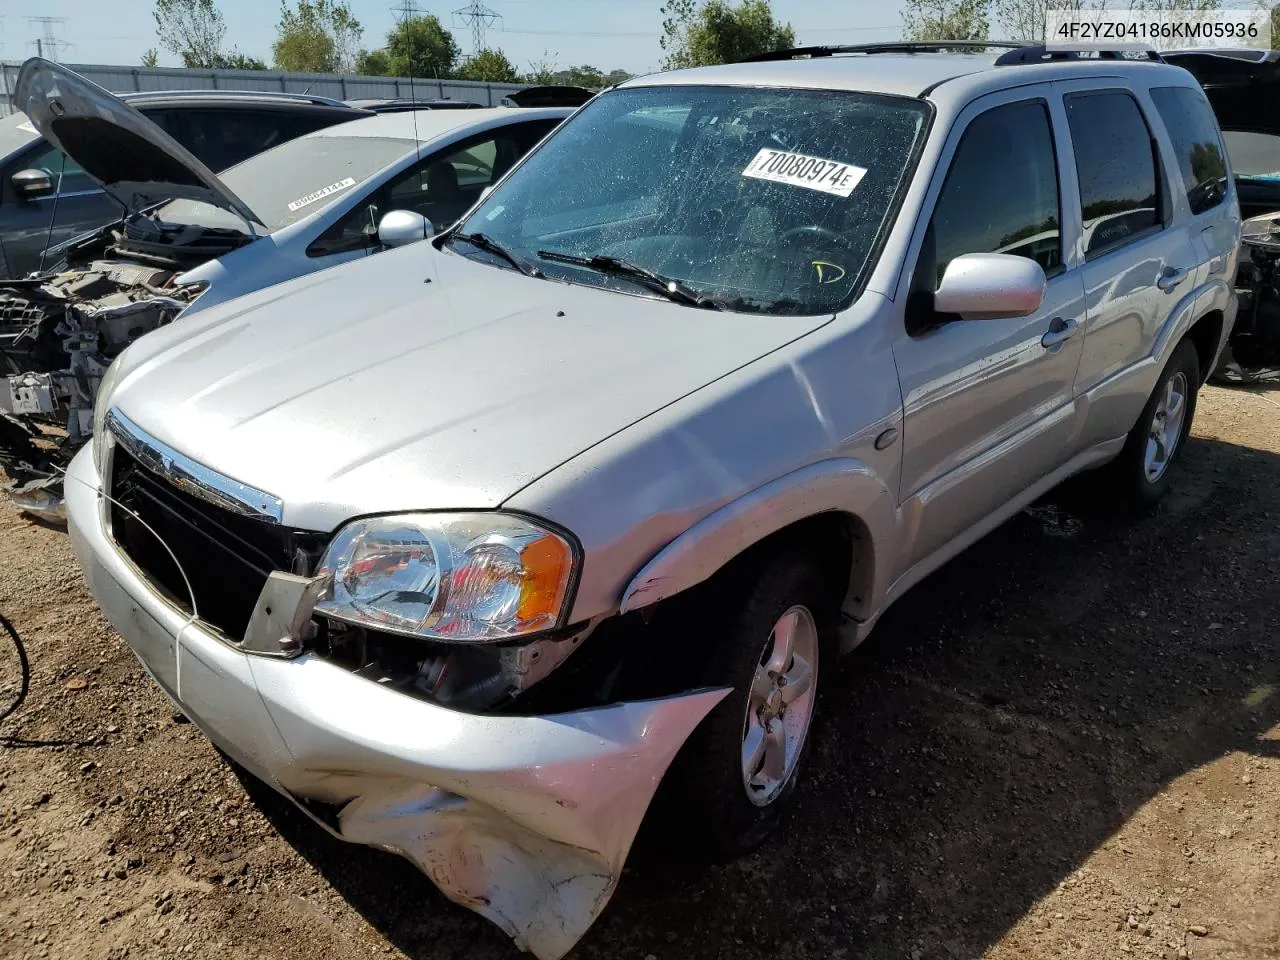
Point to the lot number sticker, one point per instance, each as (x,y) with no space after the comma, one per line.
(799,170)
(321,194)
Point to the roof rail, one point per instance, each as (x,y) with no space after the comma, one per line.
(1018,52)
(279,95)
(939,46)
(1039,53)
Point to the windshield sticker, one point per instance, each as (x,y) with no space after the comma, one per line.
(321,194)
(799,170)
(28,127)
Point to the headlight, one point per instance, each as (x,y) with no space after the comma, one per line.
(100,407)
(465,578)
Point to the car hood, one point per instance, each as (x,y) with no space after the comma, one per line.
(1243,86)
(136,162)
(418,380)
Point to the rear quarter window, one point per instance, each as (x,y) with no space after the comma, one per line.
(1201,156)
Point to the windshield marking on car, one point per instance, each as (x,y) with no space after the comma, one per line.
(28,126)
(802,170)
(321,193)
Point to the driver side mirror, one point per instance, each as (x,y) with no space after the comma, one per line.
(984,286)
(32,184)
(399,227)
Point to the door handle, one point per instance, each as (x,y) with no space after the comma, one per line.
(1170,277)
(1060,331)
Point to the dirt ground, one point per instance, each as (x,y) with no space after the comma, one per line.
(1065,744)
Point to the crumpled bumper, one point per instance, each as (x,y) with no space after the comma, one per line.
(526,820)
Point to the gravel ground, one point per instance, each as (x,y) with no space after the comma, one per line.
(1066,743)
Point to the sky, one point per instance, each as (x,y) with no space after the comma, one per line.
(609,34)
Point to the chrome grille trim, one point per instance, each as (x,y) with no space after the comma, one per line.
(192,477)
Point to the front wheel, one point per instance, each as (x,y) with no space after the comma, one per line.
(1142,468)
(772,637)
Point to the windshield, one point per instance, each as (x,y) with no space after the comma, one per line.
(762,200)
(293,180)
(16,132)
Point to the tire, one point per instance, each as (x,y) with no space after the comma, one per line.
(1142,469)
(710,803)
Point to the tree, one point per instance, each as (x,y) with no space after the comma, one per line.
(319,36)
(373,63)
(928,20)
(717,32)
(417,47)
(1025,19)
(491,66)
(151,58)
(192,29)
(235,60)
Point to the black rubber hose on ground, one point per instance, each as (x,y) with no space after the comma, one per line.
(23,665)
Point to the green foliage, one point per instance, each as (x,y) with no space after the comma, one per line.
(319,36)
(491,66)
(192,29)
(373,63)
(235,60)
(151,57)
(415,47)
(946,20)
(716,31)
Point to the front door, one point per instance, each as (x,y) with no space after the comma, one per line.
(988,403)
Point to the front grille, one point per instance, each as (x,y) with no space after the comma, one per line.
(227,557)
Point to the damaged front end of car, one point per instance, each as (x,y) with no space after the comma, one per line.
(60,332)
(400,679)
(58,336)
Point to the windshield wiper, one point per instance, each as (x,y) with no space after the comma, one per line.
(485,242)
(670,288)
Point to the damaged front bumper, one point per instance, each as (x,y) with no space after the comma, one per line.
(526,820)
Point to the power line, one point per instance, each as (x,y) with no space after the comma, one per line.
(479,18)
(48,43)
(407,10)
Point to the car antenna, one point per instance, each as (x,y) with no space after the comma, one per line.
(53,214)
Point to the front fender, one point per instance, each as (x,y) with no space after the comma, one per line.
(845,486)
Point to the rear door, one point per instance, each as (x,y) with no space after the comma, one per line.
(1139,261)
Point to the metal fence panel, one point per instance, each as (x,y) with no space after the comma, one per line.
(340,87)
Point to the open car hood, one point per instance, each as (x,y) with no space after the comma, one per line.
(136,162)
(1243,86)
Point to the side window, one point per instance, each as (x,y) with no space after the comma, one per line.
(1000,195)
(58,164)
(1194,133)
(1116,166)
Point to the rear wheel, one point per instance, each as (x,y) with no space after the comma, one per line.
(1155,441)
(734,776)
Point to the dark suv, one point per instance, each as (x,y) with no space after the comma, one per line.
(46,198)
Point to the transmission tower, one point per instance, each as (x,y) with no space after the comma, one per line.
(406,10)
(479,18)
(48,43)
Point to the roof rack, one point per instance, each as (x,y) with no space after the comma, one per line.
(278,95)
(939,46)
(1017,51)
(1039,53)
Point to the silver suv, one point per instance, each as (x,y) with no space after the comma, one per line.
(463,546)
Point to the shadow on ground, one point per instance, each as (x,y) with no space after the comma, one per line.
(1007,717)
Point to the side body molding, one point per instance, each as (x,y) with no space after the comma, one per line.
(843,485)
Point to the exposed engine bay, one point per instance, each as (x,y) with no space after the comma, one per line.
(58,336)
(1253,353)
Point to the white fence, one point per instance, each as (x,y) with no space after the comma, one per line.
(339,87)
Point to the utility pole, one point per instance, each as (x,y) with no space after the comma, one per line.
(47,42)
(479,18)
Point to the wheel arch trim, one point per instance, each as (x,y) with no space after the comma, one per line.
(843,486)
